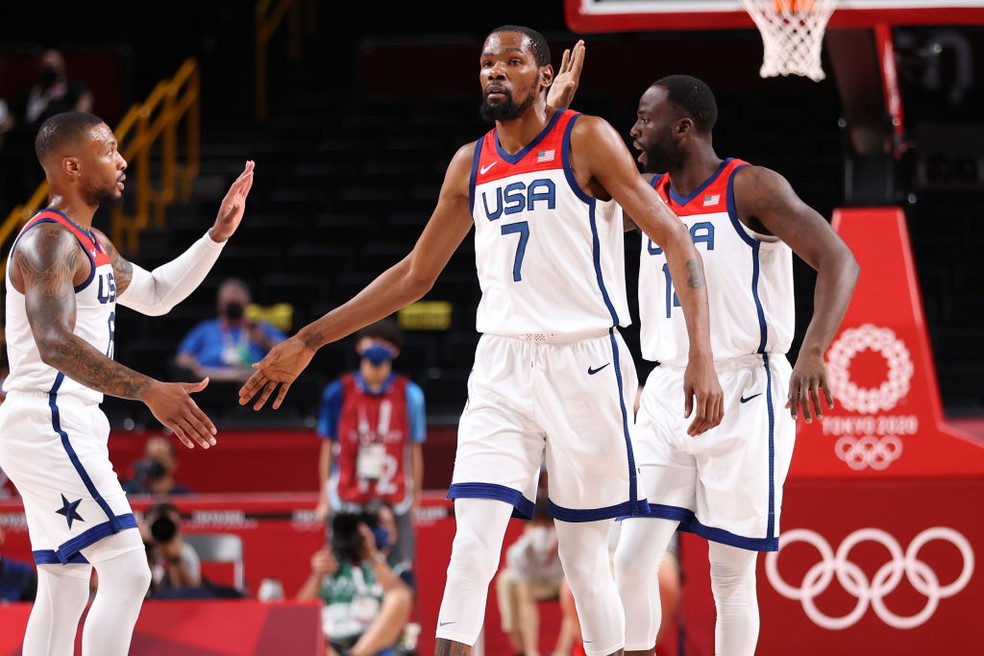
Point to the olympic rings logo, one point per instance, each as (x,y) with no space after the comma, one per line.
(853,579)
(882,341)
(868,451)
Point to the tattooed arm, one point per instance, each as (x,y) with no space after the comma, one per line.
(47,264)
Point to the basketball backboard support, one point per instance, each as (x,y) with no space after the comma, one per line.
(605,16)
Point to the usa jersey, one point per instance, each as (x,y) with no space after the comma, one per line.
(550,258)
(749,278)
(95,320)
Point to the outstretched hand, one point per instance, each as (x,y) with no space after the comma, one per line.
(704,397)
(172,405)
(233,205)
(565,82)
(275,372)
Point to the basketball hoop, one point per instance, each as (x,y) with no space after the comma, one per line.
(792,35)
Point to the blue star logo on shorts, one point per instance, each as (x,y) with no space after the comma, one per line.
(69,510)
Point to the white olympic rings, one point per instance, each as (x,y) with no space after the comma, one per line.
(853,579)
(868,451)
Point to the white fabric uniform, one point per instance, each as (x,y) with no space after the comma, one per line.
(725,484)
(552,374)
(53,435)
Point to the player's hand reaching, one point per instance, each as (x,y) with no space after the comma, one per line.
(233,205)
(278,369)
(808,380)
(703,394)
(172,405)
(565,82)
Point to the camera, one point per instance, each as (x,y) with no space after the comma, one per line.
(347,541)
(162,525)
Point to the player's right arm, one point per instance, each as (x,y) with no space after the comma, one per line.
(47,264)
(396,287)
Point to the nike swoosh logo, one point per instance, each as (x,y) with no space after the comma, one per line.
(485,169)
(746,399)
(592,371)
(446,623)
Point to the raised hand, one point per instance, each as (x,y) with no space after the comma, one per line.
(233,206)
(172,405)
(568,77)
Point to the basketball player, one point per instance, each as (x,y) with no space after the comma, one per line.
(725,485)
(552,377)
(64,279)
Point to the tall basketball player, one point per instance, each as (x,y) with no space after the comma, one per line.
(725,485)
(63,281)
(552,378)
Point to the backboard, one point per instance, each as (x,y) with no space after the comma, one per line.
(600,16)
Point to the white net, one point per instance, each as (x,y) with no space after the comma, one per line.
(792,35)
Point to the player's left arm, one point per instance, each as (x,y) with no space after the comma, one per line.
(605,168)
(767,204)
(155,292)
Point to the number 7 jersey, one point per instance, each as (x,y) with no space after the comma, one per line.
(749,278)
(550,258)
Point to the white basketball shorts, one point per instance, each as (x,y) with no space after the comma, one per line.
(726,484)
(55,450)
(567,404)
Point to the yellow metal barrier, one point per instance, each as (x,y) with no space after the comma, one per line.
(152,124)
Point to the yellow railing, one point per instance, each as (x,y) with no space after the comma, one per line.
(268,15)
(148,127)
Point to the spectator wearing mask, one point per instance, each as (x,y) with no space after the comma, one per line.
(154,473)
(52,92)
(533,573)
(374,425)
(225,348)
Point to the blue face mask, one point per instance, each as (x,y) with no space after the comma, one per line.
(377,354)
(382,537)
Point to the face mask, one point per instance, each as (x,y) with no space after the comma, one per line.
(48,76)
(541,538)
(377,355)
(234,311)
(382,537)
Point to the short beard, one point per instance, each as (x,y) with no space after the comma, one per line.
(106,197)
(504,111)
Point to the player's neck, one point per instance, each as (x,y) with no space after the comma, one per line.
(695,171)
(80,213)
(516,134)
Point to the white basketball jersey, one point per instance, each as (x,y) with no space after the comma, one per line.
(550,258)
(749,279)
(95,319)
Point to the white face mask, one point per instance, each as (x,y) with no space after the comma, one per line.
(542,538)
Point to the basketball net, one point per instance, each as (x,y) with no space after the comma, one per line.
(792,35)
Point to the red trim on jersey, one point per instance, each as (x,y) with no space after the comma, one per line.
(544,153)
(86,239)
(711,196)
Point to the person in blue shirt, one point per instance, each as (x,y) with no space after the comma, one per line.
(226,347)
(18,581)
(373,424)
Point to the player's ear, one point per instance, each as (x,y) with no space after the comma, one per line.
(70,165)
(546,76)
(684,126)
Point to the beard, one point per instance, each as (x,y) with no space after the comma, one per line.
(106,197)
(663,155)
(504,111)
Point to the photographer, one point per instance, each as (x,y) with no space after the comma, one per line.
(366,603)
(154,473)
(175,564)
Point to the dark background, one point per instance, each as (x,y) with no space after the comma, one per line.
(373,84)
